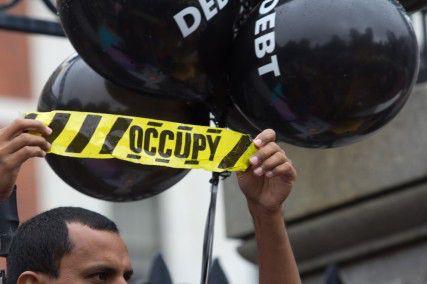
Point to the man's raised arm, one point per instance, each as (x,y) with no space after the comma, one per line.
(267,184)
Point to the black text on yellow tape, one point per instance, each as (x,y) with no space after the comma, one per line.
(146,141)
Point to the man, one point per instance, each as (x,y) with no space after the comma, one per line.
(78,246)
(68,245)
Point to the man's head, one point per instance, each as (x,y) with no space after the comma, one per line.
(68,245)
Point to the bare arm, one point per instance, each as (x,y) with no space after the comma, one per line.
(275,256)
(267,184)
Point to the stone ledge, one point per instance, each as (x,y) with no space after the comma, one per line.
(357,231)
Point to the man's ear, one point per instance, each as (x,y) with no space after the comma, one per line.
(30,277)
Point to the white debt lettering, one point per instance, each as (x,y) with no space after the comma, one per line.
(267,6)
(222,3)
(209,8)
(265,23)
(265,44)
(184,25)
(273,66)
(190,18)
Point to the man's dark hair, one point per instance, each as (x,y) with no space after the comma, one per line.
(40,243)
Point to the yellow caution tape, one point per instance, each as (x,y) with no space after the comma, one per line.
(146,141)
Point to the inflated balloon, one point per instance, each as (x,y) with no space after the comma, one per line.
(234,120)
(324,73)
(409,5)
(413,5)
(226,113)
(168,48)
(246,7)
(76,87)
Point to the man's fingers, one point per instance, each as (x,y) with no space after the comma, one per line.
(265,137)
(26,139)
(21,125)
(264,153)
(286,170)
(274,161)
(18,158)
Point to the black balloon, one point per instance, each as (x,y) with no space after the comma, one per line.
(227,114)
(409,5)
(76,87)
(413,5)
(324,73)
(235,120)
(167,48)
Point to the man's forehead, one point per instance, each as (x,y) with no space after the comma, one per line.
(80,234)
(93,243)
(93,248)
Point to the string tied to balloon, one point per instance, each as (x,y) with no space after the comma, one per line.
(210,226)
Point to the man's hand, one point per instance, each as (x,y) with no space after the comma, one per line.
(16,147)
(269,180)
(267,184)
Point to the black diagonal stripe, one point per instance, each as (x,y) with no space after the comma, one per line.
(31,116)
(155,124)
(215,131)
(185,128)
(231,159)
(57,125)
(116,133)
(81,140)
(165,161)
(135,157)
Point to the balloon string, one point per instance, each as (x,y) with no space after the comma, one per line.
(210,222)
(209,230)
